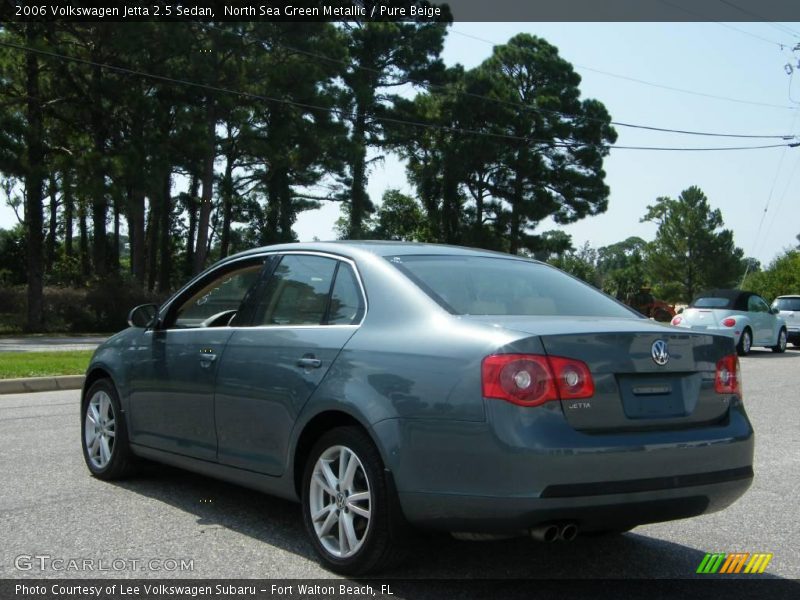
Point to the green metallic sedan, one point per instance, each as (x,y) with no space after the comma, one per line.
(392,386)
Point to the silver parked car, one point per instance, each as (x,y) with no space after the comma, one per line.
(788,308)
(382,385)
(744,316)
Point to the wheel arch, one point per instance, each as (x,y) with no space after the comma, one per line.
(315,427)
(95,373)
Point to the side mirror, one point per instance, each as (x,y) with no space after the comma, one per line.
(143,316)
(680,310)
(774,310)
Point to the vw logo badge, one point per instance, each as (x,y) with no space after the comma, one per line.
(660,352)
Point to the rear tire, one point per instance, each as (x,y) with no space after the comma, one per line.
(350,510)
(745,342)
(104,434)
(780,347)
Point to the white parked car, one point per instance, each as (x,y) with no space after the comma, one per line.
(745,316)
(789,309)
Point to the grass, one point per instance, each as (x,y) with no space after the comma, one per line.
(43,364)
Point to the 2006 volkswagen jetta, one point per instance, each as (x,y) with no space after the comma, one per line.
(385,384)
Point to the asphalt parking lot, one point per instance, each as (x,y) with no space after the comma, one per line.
(49,505)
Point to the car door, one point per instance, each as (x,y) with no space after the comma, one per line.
(761,319)
(173,372)
(304,314)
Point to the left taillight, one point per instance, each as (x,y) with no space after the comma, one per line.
(533,379)
(728,379)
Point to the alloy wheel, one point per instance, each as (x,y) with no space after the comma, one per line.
(340,501)
(99,429)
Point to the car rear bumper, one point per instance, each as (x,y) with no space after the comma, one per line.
(521,469)
(731,332)
(597,512)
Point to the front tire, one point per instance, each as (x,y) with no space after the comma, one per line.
(780,347)
(349,510)
(745,342)
(104,436)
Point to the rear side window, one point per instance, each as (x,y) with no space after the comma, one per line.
(756,304)
(347,304)
(310,290)
(297,292)
(478,285)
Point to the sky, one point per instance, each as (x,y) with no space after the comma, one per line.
(756,190)
(708,58)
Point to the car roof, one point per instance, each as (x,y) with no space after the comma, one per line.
(382,248)
(788,296)
(738,298)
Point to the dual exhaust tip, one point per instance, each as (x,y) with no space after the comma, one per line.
(553,532)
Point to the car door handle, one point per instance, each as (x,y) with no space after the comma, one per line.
(206,358)
(309,362)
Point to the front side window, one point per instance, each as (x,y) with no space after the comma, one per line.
(756,304)
(479,285)
(216,302)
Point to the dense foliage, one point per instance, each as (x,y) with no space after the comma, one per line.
(142,151)
(135,154)
(692,251)
(781,277)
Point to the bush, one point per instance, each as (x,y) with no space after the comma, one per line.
(780,278)
(12,308)
(103,307)
(111,301)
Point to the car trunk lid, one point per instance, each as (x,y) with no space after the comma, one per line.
(633,391)
(703,318)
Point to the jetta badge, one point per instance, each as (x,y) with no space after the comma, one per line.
(660,352)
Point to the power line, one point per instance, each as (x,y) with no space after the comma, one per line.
(704,133)
(726,25)
(429,85)
(568,144)
(781,28)
(650,83)
(757,241)
(779,204)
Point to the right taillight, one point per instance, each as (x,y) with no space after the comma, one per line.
(729,322)
(727,379)
(572,378)
(533,379)
(676,320)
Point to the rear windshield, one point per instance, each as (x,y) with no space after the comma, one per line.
(712,302)
(478,285)
(787,304)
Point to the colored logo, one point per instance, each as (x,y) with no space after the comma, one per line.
(660,352)
(737,562)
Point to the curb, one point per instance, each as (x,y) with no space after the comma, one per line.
(41,384)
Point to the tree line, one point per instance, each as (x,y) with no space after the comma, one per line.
(135,154)
(266,120)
